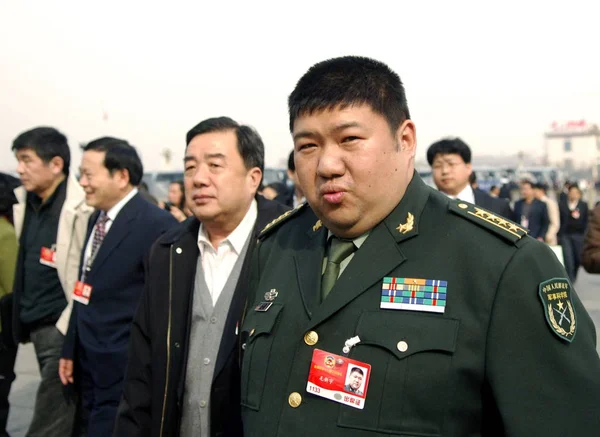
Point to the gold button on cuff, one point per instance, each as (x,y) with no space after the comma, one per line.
(463,205)
(311,338)
(295,400)
(402,346)
(252,332)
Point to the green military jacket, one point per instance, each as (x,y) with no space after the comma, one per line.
(510,353)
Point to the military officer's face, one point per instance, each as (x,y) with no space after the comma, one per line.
(355,380)
(450,173)
(351,167)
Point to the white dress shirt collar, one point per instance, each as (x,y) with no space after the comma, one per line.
(238,237)
(466,195)
(115,210)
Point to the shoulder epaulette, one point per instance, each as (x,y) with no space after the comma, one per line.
(279,220)
(490,221)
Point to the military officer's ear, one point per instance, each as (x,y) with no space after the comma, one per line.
(406,137)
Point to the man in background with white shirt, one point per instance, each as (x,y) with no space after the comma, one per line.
(111,282)
(183,376)
(450,161)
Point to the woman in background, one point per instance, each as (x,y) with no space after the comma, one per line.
(573,223)
(176,201)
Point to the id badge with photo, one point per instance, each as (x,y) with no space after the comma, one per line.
(338,378)
(82,292)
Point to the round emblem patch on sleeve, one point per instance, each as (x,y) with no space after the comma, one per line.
(555,295)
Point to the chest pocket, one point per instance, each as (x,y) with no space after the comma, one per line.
(411,356)
(257,340)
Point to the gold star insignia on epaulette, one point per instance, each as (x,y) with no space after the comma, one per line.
(317,226)
(280,219)
(498,221)
(480,213)
(277,220)
(404,228)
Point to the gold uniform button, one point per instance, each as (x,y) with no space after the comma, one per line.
(463,205)
(402,346)
(252,332)
(295,400)
(311,338)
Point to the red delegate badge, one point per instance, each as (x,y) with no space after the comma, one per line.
(82,292)
(338,378)
(48,257)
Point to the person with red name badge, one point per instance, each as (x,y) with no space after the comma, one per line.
(111,280)
(50,221)
(384,307)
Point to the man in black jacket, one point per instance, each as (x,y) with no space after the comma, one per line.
(183,372)
(293,196)
(531,213)
(450,161)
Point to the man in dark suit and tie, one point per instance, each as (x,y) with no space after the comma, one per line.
(531,213)
(111,280)
(450,161)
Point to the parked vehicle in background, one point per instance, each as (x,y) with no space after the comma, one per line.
(427,176)
(158,182)
(272,175)
(551,176)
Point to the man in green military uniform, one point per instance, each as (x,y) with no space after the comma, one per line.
(461,323)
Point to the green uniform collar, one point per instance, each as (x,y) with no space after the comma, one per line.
(403,221)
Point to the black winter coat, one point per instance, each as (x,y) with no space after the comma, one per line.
(154,384)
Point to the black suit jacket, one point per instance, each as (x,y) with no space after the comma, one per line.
(155,379)
(538,217)
(117,280)
(569,224)
(494,204)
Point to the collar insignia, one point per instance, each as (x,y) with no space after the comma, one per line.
(405,228)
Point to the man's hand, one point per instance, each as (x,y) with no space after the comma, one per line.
(65,371)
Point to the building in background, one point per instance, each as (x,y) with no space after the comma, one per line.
(573,146)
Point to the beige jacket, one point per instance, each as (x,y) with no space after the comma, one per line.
(554,217)
(70,238)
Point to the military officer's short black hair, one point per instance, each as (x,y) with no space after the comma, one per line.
(449,146)
(357,370)
(349,80)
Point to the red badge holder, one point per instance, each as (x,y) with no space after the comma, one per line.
(82,292)
(338,378)
(48,256)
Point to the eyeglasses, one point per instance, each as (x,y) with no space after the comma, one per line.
(441,164)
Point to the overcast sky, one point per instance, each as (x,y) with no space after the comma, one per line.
(495,75)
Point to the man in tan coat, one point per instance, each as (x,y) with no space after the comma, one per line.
(539,190)
(50,222)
